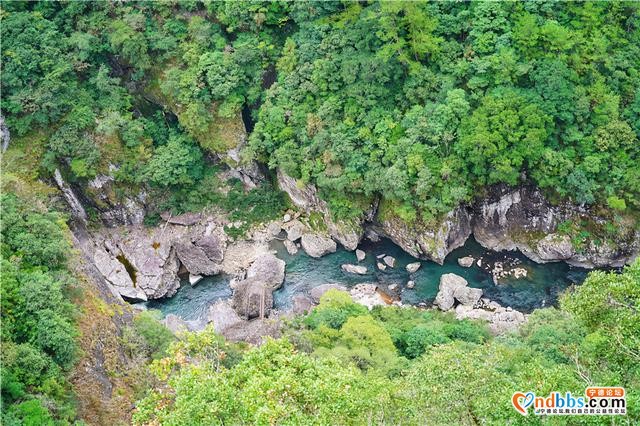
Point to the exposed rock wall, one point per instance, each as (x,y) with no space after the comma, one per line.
(521,218)
(305,197)
(434,241)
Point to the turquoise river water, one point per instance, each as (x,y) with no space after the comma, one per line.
(542,286)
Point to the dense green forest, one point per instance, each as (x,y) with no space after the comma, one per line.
(423,104)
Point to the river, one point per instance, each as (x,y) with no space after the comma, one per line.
(542,286)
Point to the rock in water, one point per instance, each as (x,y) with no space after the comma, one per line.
(252,298)
(317,292)
(448,285)
(411,284)
(519,273)
(354,269)
(466,261)
(195,260)
(381,266)
(413,267)
(291,247)
(194,279)
(268,269)
(392,287)
(467,296)
(360,255)
(317,246)
(390,261)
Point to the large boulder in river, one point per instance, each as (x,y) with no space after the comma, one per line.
(412,268)
(317,245)
(291,247)
(195,259)
(268,269)
(449,283)
(354,269)
(117,276)
(252,298)
(175,324)
(360,255)
(390,261)
(466,261)
(302,304)
(467,295)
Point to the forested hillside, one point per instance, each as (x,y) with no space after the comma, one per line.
(394,112)
(423,103)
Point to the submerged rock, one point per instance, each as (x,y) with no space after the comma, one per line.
(354,269)
(317,246)
(412,268)
(466,261)
(381,266)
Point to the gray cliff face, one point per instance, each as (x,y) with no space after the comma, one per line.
(521,218)
(72,200)
(433,242)
(113,210)
(347,233)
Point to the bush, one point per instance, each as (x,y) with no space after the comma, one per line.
(334,309)
(419,339)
